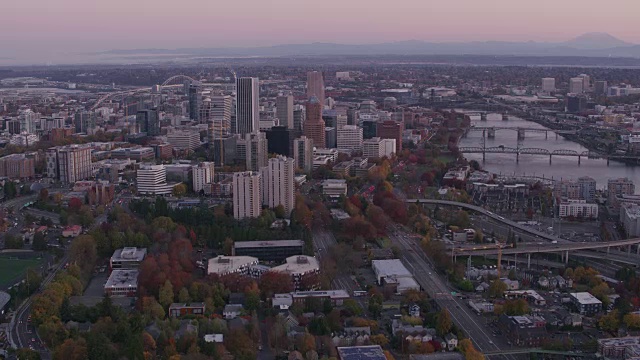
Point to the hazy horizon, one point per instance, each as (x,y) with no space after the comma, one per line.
(34,30)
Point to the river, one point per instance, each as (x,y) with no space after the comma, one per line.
(561,167)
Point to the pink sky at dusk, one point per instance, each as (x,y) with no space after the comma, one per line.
(67,26)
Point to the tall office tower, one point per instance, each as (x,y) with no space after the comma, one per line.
(587,187)
(278,183)
(69,164)
(303,153)
(152,180)
(391,130)
(185,139)
(279,140)
(586,82)
(619,187)
(315,86)
(352,116)
(313,125)
(246,195)
(256,151)
(299,114)
(27,121)
(225,149)
(330,138)
(600,87)
(368,106)
(378,148)
(576,103)
(333,119)
(576,85)
(202,175)
(284,110)
(194,102)
(13,126)
(350,138)
(247,105)
(83,120)
(148,122)
(221,106)
(548,84)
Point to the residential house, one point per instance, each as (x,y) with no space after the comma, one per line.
(232,311)
(452,341)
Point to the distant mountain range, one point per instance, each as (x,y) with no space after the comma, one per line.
(587,45)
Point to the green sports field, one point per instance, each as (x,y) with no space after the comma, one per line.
(12,269)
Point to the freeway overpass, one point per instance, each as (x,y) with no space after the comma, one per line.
(557,245)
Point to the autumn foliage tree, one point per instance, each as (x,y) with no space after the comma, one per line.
(274,282)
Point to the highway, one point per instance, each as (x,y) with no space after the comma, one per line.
(424,272)
(22,333)
(524,248)
(558,244)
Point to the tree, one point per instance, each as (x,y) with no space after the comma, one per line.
(497,288)
(27,354)
(280,211)
(610,322)
(43,196)
(516,307)
(166,295)
(72,350)
(379,339)
(470,353)
(179,190)
(306,342)
(632,321)
(13,242)
(74,204)
(274,282)
(352,307)
(444,322)
(39,242)
(183,296)
(84,252)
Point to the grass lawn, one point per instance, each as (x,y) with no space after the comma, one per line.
(11,269)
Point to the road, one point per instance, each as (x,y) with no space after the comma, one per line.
(22,333)
(37,213)
(424,272)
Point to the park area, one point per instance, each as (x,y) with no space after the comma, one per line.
(12,269)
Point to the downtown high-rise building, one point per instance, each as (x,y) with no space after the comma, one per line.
(246,195)
(314,125)
(152,180)
(390,129)
(254,149)
(303,153)
(278,183)
(315,86)
(69,164)
(194,102)
(284,110)
(349,137)
(548,85)
(576,85)
(247,105)
(148,122)
(202,174)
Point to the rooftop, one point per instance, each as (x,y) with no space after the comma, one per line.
(267,244)
(585,298)
(229,264)
(393,267)
(129,254)
(122,278)
(333,294)
(370,352)
(4,299)
(299,264)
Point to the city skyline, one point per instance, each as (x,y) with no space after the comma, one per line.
(74,28)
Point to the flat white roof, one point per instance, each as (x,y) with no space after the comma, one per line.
(229,264)
(129,254)
(267,244)
(122,278)
(390,268)
(298,264)
(585,298)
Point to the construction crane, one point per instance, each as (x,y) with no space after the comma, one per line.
(497,245)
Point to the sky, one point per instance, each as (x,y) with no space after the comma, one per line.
(55,29)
